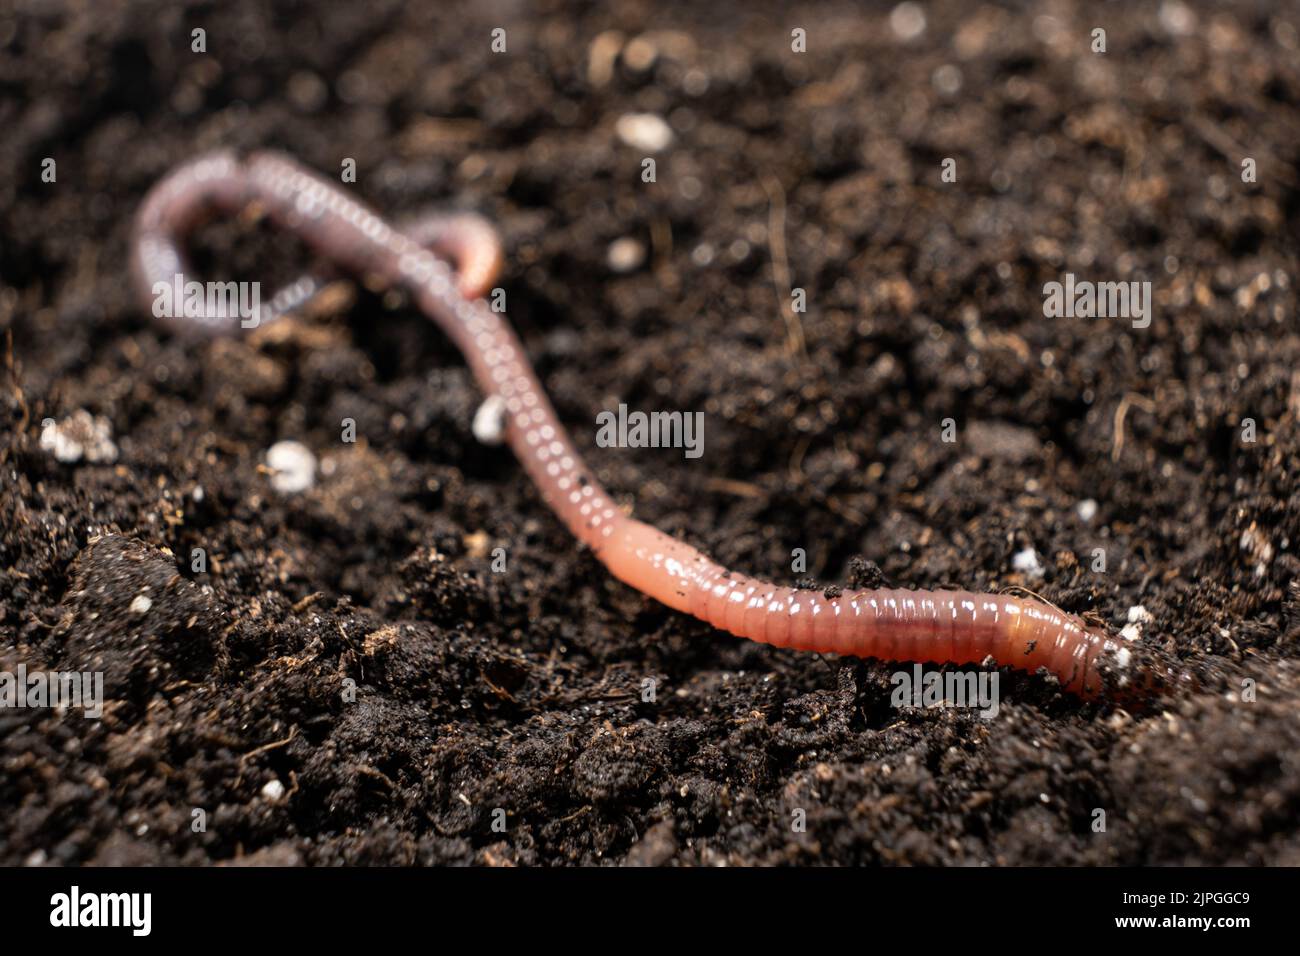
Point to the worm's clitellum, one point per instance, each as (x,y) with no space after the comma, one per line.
(926,626)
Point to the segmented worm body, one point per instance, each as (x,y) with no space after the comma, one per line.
(925,626)
(219,184)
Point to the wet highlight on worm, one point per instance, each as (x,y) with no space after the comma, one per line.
(448,263)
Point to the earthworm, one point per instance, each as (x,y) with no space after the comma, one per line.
(903,625)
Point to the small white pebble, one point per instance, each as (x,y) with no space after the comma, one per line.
(644,131)
(1176,18)
(1027,563)
(1131,632)
(79,436)
(293,467)
(141,604)
(907,20)
(197,494)
(1138,614)
(273,790)
(1087,510)
(947,80)
(1122,657)
(490,421)
(625,255)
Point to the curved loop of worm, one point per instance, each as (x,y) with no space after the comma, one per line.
(212,184)
(465,239)
(924,626)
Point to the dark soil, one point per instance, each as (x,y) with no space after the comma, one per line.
(522,691)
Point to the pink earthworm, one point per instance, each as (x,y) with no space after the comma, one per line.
(958,627)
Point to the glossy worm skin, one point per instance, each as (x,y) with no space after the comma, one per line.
(924,626)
